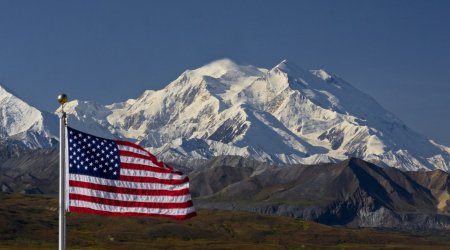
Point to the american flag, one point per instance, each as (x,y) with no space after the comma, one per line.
(119,178)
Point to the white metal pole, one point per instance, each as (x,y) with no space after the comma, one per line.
(62,176)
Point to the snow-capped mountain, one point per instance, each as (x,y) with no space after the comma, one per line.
(25,125)
(281,115)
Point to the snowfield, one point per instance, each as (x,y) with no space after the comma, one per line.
(285,114)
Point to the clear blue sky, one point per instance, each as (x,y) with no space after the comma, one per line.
(109,51)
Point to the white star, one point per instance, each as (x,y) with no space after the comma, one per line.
(86,168)
(95,169)
(104,171)
(115,173)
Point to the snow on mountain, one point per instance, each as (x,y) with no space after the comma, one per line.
(281,115)
(23,124)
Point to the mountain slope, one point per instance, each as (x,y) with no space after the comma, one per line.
(351,193)
(24,125)
(281,115)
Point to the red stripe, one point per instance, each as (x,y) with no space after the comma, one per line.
(150,156)
(148,168)
(130,144)
(107,213)
(120,203)
(122,190)
(142,179)
(144,157)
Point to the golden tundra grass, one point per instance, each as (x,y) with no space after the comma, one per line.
(31,222)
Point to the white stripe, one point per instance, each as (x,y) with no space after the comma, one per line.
(132,149)
(118,209)
(129,197)
(134,160)
(144,173)
(127,184)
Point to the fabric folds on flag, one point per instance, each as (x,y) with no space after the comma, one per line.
(119,178)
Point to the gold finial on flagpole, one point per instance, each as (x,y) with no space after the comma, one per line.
(62,99)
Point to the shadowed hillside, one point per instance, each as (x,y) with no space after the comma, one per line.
(351,193)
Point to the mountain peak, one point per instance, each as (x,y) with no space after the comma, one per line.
(227,67)
(222,63)
(4,92)
(22,122)
(322,74)
(218,68)
(288,67)
(283,115)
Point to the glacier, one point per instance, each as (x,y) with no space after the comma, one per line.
(282,115)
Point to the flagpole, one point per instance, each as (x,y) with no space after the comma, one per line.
(62,99)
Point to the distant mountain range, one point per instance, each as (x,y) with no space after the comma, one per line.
(351,193)
(283,141)
(282,115)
